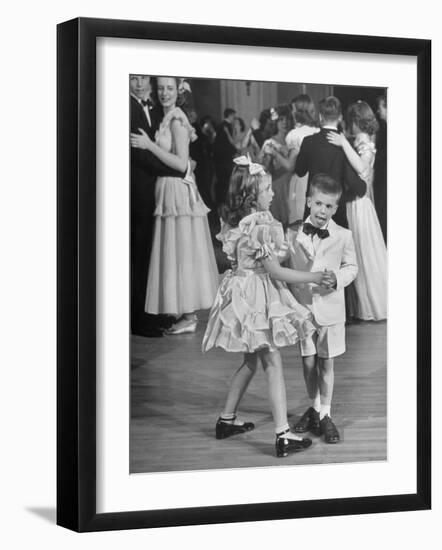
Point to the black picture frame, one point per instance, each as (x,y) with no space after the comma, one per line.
(76,274)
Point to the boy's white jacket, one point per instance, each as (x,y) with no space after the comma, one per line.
(335,253)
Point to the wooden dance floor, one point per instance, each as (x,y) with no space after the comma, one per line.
(177,394)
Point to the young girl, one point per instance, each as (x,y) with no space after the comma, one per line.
(254,312)
(371,252)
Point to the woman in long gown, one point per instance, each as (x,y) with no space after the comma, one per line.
(274,152)
(244,140)
(371,252)
(304,115)
(183,275)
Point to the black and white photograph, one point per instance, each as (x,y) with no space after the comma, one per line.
(218,291)
(247,336)
(258,273)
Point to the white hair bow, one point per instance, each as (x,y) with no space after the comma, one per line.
(254,167)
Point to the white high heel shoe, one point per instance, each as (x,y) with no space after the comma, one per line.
(187,327)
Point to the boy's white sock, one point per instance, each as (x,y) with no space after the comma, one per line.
(325,409)
(316,402)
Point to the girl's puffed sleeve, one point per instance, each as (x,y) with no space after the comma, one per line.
(261,242)
(278,238)
(265,235)
(229,237)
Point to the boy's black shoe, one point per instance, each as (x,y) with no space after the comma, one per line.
(226,429)
(309,422)
(329,430)
(285,446)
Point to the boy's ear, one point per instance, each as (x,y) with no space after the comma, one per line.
(309,201)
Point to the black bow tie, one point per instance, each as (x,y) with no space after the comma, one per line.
(310,229)
(146,103)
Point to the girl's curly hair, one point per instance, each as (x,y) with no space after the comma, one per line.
(242,195)
(361,115)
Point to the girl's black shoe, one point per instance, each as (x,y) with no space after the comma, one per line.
(225,429)
(285,446)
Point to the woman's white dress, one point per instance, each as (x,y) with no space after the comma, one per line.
(297,184)
(183,276)
(371,252)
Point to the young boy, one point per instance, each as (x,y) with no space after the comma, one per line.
(320,244)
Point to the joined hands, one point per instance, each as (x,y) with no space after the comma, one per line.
(328,279)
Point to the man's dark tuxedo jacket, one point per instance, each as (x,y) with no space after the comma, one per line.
(223,150)
(145,166)
(318,156)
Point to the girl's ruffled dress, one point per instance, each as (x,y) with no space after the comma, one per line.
(252,311)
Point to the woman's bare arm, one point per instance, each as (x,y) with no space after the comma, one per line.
(287,162)
(177,160)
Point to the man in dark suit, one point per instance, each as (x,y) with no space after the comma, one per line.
(318,156)
(144,170)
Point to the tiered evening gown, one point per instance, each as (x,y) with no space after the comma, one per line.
(371,252)
(183,275)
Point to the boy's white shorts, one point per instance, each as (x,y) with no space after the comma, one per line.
(326,342)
